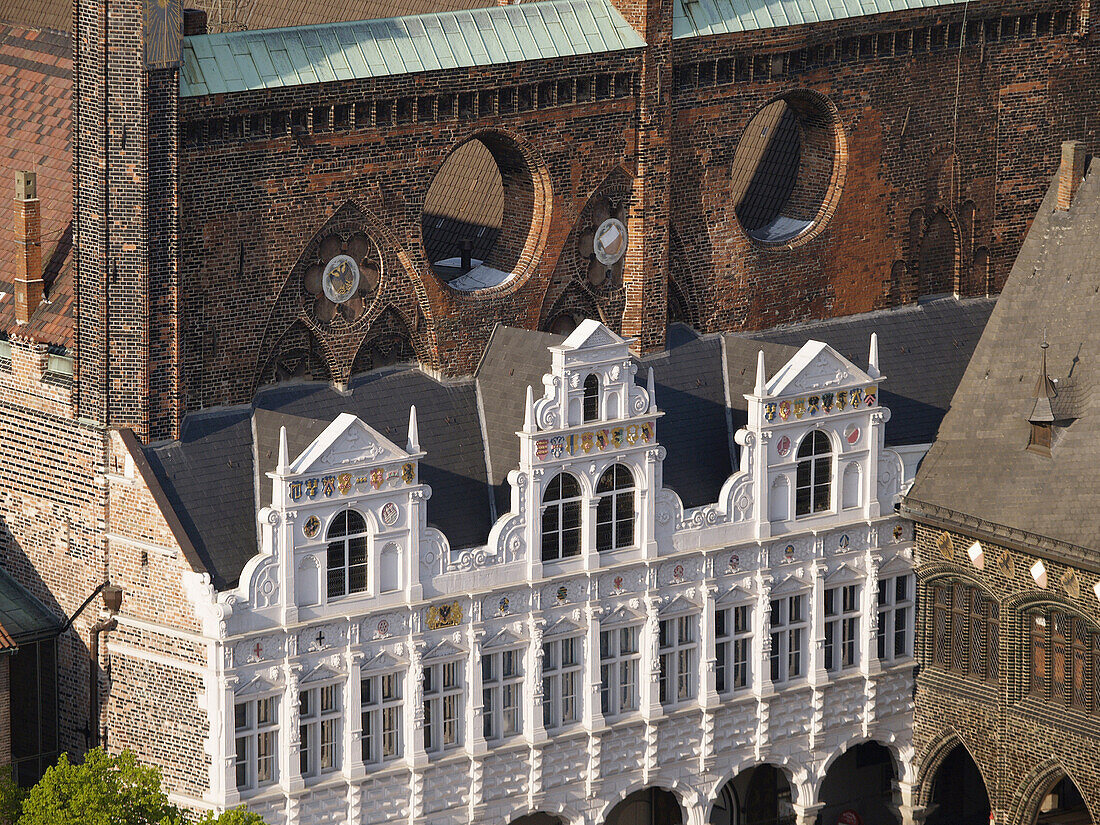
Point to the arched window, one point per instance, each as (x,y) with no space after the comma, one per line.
(347,554)
(1065,659)
(561,518)
(965,631)
(615,512)
(814,481)
(591,398)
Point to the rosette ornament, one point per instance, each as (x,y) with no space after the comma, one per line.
(344,279)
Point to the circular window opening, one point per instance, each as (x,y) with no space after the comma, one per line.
(787,169)
(479,213)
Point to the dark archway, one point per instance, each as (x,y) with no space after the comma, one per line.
(938,259)
(959,796)
(651,806)
(298,354)
(538,818)
(860,780)
(1063,805)
(761,795)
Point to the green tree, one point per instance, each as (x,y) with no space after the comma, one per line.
(106,790)
(11,798)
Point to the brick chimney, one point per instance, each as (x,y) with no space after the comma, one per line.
(194,22)
(28,237)
(1070,173)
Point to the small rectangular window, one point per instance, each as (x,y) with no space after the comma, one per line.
(255,726)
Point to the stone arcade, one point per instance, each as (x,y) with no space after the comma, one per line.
(604,640)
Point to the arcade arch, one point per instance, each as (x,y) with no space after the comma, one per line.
(959,795)
(649,806)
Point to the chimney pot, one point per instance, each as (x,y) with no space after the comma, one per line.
(1070,173)
(28,287)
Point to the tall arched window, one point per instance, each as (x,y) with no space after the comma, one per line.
(347,554)
(814,481)
(561,518)
(615,512)
(966,631)
(1065,659)
(591,398)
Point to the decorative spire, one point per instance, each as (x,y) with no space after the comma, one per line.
(872,358)
(529,411)
(414,437)
(649,386)
(284,463)
(1042,413)
(761,383)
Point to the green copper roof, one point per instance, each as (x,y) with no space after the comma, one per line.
(273,58)
(23,618)
(697,18)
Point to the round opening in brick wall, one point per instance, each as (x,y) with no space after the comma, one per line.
(788,169)
(483,214)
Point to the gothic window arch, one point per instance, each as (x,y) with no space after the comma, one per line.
(591,398)
(965,630)
(615,510)
(561,518)
(814,474)
(1064,658)
(347,554)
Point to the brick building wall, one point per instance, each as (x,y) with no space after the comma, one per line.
(1021,745)
(922,192)
(5,710)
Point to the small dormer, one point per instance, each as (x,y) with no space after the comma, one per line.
(346,517)
(820,430)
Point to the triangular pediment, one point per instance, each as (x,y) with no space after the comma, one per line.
(446,649)
(844,574)
(564,626)
(678,604)
(256,686)
(346,441)
(814,368)
(624,614)
(590,334)
(321,673)
(898,565)
(505,637)
(789,586)
(735,595)
(383,661)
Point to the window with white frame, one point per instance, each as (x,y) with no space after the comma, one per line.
(443,706)
(255,723)
(679,653)
(895,617)
(842,627)
(733,648)
(615,510)
(320,714)
(347,554)
(502,693)
(619,657)
(813,475)
(561,681)
(382,704)
(789,626)
(561,518)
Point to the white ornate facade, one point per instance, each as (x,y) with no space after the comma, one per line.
(602,641)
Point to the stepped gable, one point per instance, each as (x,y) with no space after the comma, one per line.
(980,472)
(35,135)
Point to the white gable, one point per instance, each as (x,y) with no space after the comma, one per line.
(345,441)
(589,334)
(816,367)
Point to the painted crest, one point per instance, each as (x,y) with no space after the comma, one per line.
(328,485)
(557,446)
(311,527)
(444,615)
(842,399)
(311,487)
(377,476)
(784,410)
(813,405)
(542,448)
(390,513)
(586,442)
(343,483)
(799,408)
(827,400)
(295,491)
(770,410)
(408,473)
(783,445)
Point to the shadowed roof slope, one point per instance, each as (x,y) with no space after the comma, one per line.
(979,472)
(22,617)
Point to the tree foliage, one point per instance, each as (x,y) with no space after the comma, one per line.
(104,789)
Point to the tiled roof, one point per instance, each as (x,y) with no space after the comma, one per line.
(35,135)
(273,14)
(38,14)
(697,18)
(22,617)
(468,427)
(274,58)
(979,473)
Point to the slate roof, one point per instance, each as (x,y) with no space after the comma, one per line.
(923,350)
(35,135)
(274,58)
(979,474)
(698,18)
(215,479)
(22,617)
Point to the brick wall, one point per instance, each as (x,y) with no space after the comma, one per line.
(1021,745)
(5,710)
